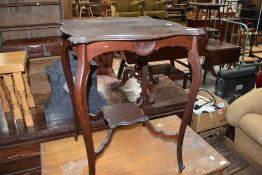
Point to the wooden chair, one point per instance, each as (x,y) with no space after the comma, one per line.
(255,41)
(75,8)
(85,5)
(228,51)
(154,8)
(127,8)
(105,7)
(13,71)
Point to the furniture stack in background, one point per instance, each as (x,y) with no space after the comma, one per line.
(13,71)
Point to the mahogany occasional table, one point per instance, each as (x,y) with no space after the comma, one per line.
(141,35)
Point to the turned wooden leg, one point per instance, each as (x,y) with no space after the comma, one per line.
(20,87)
(4,100)
(10,86)
(6,91)
(17,96)
(29,95)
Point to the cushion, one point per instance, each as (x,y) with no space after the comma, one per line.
(159,6)
(251,125)
(134,7)
(149,5)
(128,14)
(123,6)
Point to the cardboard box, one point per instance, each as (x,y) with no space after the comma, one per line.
(206,121)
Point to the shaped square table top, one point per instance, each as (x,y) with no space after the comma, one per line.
(124,28)
(11,62)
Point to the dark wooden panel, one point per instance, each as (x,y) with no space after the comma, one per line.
(16,152)
(67,12)
(33,171)
(32,18)
(20,164)
(29,4)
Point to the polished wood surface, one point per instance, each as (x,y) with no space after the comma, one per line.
(12,62)
(124,28)
(144,154)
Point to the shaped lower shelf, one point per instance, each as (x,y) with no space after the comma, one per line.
(123,114)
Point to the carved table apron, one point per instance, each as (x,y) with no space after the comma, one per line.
(140,35)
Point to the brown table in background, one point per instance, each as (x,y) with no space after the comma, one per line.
(208,7)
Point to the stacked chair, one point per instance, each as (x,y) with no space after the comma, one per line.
(85,5)
(134,8)
(127,8)
(154,8)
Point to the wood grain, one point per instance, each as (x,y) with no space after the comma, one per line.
(12,62)
(133,150)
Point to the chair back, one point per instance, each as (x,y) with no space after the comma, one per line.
(123,5)
(83,2)
(154,5)
(233,32)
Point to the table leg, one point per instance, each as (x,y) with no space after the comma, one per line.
(144,85)
(81,99)
(198,10)
(65,60)
(193,59)
(219,18)
(121,69)
(205,24)
(20,86)
(209,17)
(10,86)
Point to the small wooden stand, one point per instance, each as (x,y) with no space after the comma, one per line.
(141,36)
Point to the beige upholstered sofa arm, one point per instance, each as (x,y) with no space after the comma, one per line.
(248,103)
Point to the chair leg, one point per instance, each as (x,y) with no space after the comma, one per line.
(204,76)
(212,70)
(10,86)
(121,69)
(29,95)
(4,100)
(91,11)
(80,12)
(185,82)
(20,86)
(6,91)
